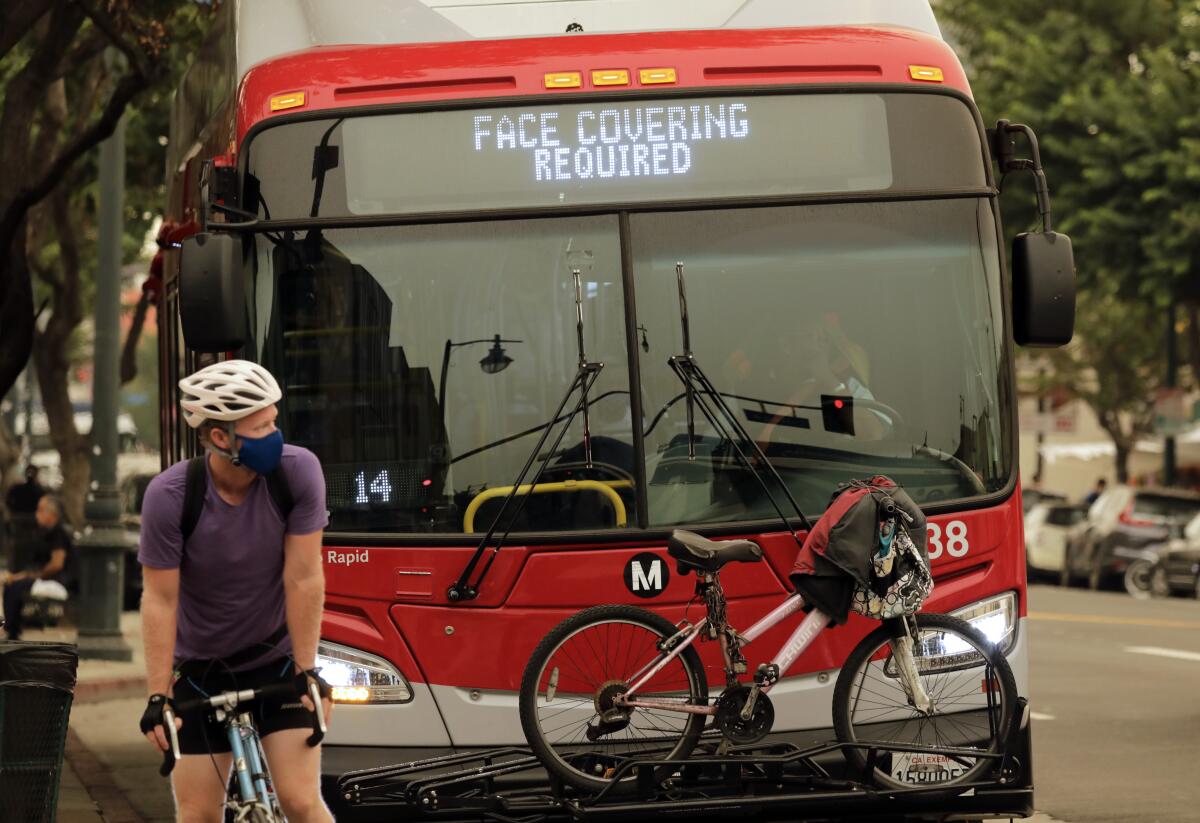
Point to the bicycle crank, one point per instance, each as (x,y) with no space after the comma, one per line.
(729,719)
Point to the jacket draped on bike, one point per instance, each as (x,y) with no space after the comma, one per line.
(868,552)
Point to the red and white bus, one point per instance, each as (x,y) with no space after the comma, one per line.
(412,187)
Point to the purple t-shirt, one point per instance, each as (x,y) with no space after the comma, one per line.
(231,573)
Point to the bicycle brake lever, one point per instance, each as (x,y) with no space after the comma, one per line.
(172,754)
(319,728)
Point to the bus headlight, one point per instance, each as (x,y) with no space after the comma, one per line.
(357,677)
(995,617)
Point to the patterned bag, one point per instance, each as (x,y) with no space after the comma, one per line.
(900,576)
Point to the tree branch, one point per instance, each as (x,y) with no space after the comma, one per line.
(16,19)
(82,52)
(100,129)
(99,16)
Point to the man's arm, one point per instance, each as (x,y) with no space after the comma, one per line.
(58,559)
(304,589)
(160,602)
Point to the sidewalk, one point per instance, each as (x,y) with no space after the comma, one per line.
(110,774)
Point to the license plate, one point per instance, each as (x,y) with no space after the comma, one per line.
(918,769)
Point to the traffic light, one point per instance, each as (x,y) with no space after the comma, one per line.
(838,413)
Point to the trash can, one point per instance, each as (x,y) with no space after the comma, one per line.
(37,684)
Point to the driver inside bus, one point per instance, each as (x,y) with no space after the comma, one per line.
(825,361)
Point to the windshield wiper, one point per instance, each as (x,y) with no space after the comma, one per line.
(700,392)
(585,377)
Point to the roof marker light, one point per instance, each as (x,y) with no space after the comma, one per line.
(654,77)
(564,80)
(929,74)
(291,100)
(610,77)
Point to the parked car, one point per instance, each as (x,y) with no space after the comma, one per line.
(1047,526)
(1031,497)
(1121,527)
(1178,567)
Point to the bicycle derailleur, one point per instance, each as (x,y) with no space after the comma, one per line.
(613,718)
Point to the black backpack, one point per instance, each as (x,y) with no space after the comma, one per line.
(196,487)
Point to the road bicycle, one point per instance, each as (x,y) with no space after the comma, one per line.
(251,797)
(924,700)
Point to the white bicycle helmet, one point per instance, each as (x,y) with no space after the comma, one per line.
(227,391)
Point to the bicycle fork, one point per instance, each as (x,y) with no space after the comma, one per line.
(906,668)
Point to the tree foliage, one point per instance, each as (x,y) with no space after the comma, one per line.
(61,44)
(50,203)
(1112,87)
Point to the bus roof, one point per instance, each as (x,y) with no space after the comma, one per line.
(269,28)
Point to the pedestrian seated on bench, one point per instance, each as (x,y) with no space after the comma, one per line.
(53,572)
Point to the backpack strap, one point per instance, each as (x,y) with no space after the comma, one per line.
(194,489)
(281,492)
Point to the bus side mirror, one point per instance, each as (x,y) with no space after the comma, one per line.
(212,293)
(1043,268)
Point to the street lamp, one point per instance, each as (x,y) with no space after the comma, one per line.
(494,362)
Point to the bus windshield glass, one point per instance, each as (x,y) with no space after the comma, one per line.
(421,361)
(634,152)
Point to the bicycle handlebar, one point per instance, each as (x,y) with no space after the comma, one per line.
(229,701)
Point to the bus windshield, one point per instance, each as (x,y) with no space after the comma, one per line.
(421,362)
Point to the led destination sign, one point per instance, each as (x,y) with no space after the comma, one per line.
(606,143)
(625,152)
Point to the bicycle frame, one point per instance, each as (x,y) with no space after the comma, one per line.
(800,640)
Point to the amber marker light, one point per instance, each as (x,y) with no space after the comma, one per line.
(350,694)
(610,77)
(564,80)
(929,74)
(291,100)
(655,77)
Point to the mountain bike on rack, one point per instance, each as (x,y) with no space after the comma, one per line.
(252,795)
(924,700)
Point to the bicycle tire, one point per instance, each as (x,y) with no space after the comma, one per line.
(554,755)
(965,728)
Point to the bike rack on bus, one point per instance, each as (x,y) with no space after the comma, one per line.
(770,781)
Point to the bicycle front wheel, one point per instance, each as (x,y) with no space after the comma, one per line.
(568,691)
(972,693)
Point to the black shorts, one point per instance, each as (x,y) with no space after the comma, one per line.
(202,734)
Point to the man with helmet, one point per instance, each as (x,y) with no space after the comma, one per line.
(234,588)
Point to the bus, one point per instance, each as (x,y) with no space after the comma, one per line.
(424,220)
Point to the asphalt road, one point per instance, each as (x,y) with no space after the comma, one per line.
(1115,690)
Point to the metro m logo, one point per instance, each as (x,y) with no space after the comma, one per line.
(646,575)
(653,580)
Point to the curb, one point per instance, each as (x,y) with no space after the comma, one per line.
(96,691)
(98,781)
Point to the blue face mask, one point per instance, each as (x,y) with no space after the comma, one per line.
(261,454)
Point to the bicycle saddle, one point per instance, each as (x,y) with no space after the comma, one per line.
(696,552)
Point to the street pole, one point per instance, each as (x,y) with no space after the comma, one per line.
(105,541)
(1169,464)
